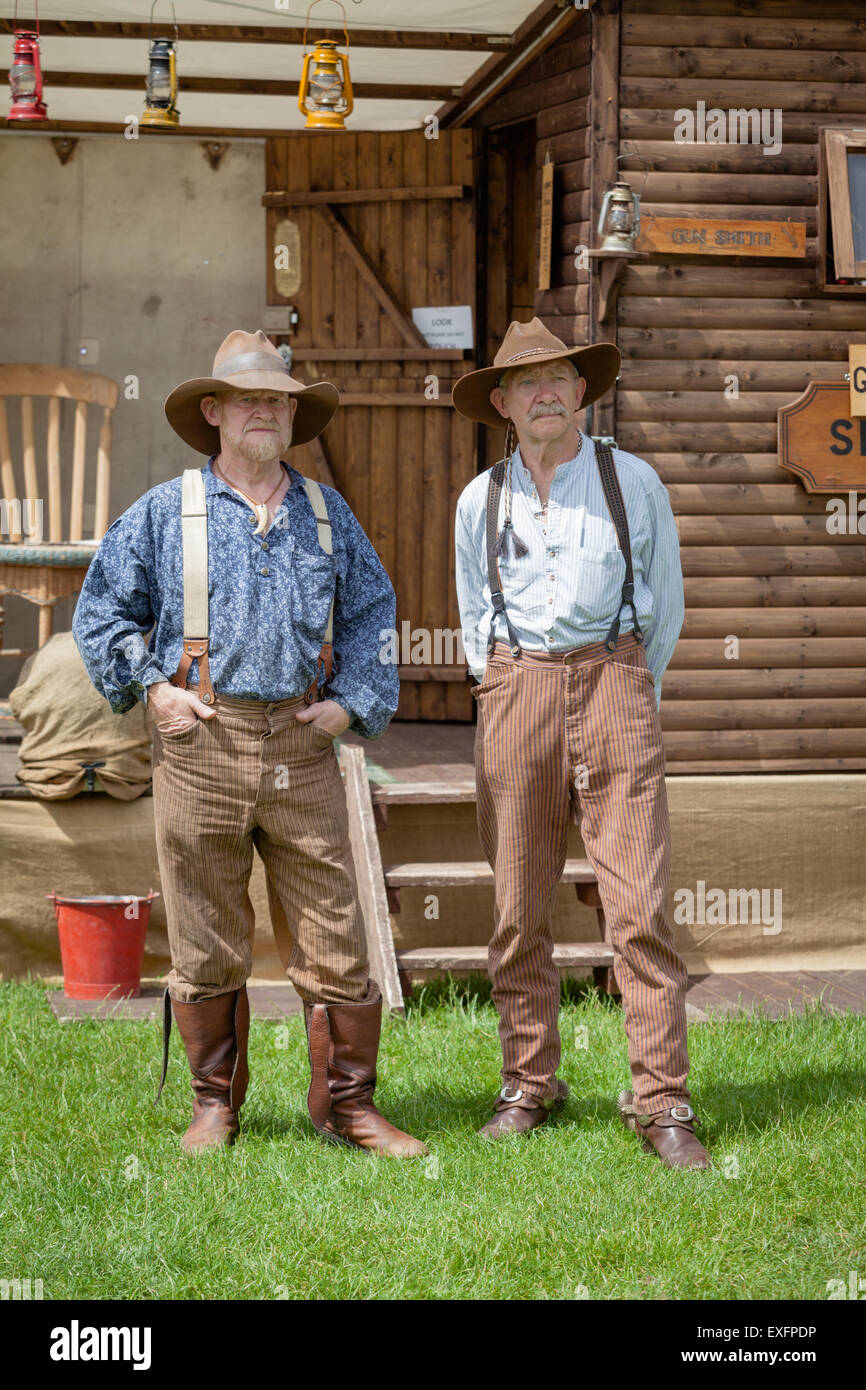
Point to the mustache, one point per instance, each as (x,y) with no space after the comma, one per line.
(547,410)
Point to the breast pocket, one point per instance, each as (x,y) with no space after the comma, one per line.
(598,577)
(314,576)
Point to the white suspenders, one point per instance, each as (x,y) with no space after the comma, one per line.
(195,595)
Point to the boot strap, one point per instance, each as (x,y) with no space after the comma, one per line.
(166,1034)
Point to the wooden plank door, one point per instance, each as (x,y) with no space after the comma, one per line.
(396,232)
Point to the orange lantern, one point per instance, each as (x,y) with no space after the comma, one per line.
(325,96)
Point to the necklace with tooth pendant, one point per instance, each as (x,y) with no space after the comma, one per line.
(260,509)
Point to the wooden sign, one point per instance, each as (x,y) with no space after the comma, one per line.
(546,239)
(720,236)
(857,374)
(821,442)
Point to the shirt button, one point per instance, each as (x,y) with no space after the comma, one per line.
(252,521)
(550,600)
(551,576)
(265,570)
(265,545)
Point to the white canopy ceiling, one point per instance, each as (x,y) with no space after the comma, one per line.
(443,68)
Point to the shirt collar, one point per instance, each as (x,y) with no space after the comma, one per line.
(564,470)
(214,484)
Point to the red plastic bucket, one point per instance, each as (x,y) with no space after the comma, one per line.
(102,944)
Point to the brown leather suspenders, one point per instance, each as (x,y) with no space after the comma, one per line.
(616,507)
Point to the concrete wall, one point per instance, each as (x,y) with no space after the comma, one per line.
(141,246)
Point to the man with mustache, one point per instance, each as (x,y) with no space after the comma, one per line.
(568,715)
(246,707)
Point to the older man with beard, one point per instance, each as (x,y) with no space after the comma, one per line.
(245,717)
(568,716)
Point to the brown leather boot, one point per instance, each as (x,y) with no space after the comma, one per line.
(215,1033)
(343,1042)
(517,1113)
(669,1133)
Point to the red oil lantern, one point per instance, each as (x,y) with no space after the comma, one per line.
(25,79)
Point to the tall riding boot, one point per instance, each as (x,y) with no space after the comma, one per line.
(343,1042)
(214,1033)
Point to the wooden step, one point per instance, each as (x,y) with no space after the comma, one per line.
(569,955)
(469,874)
(422,793)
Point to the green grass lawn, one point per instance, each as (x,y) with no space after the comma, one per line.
(98,1201)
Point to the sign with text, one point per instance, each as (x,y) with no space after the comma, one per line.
(820,441)
(546,238)
(720,236)
(450,327)
(857,373)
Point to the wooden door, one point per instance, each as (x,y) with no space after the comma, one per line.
(396,230)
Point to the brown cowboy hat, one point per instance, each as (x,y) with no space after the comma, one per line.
(248,360)
(532,342)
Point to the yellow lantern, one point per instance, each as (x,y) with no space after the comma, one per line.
(325,96)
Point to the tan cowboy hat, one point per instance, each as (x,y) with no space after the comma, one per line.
(248,360)
(532,342)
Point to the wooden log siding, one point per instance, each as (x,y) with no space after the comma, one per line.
(555,91)
(758,561)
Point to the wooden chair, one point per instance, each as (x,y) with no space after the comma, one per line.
(45,568)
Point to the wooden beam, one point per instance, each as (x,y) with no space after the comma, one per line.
(413,398)
(244,86)
(369,354)
(265,33)
(370,275)
(370,875)
(604,124)
(365,195)
(547,23)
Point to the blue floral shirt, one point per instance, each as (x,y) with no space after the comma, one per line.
(269,597)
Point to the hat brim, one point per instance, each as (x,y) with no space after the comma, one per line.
(598,364)
(316,406)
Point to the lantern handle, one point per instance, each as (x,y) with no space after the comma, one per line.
(173,15)
(15,20)
(309,12)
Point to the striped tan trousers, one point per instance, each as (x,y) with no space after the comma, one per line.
(253,777)
(547,725)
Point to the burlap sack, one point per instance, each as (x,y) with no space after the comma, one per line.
(67,723)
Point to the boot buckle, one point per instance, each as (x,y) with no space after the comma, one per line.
(682,1112)
(510,1099)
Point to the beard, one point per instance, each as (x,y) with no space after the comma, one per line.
(256,450)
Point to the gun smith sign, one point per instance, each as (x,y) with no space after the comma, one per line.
(720,236)
(820,441)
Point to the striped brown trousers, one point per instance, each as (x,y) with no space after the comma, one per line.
(579,728)
(253,777)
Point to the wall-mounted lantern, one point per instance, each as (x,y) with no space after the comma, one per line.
(325,96)
(619,219)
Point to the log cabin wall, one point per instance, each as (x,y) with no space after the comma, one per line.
(757,558)
(551,97)
(758,562)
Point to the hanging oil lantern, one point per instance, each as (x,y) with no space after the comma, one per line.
(160,110)
(619,219)
(325,96)
(25,76)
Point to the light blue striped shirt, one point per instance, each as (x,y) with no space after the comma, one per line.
(565,592)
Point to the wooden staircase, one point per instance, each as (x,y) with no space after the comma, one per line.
(380,886)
